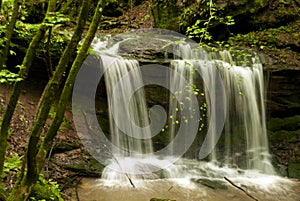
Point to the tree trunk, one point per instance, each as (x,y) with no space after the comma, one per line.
(24,68)
(67,90)
(8,33)
(22,191)
(15,95)
(52,87)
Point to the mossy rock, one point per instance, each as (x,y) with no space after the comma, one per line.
(294,169)
(214,184)
(161,199)
(91,168)
(79,161)
(66,146)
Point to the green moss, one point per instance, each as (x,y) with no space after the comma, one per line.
(166,14)
(66,146)
(272,37)
(288,124)
(91,167)
(294,169)
(283,135)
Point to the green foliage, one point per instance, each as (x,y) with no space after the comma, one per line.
(271,38)
(200,28)
(13,162)
(194,91)
(8,77)
(23,33)
(7,10)
(46,190)
(56,18)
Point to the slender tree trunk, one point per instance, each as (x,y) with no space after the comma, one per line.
(15,96)
(24,68)
(16,93)
(8,33)
(52,87)
(67,90)
(35,163)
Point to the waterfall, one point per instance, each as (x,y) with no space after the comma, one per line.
(243,143)
(136,109)
(245,133)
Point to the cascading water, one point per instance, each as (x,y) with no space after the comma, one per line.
(243,146)
(137,108)
(245,97)
(245,142)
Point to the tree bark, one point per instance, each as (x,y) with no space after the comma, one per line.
(8,33)
(35,162)
(23,73)
(67,90)
(51,89)
(15,95)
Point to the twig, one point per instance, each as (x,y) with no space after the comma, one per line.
(241,189)
(112,155)
(116,160)
(77,195)
(170,188)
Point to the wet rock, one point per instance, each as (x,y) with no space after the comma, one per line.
(214,184)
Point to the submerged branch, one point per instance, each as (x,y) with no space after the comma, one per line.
(233,184)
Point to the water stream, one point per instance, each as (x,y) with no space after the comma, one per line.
(241,153)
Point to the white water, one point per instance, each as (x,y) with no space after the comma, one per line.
(246,159)
(245,143)
(136,109)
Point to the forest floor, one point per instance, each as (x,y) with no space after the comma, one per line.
(20,130)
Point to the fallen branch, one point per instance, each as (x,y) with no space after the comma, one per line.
(108,150)
(170,188)
(233,184)
(116,160)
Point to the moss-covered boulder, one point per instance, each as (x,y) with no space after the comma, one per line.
(79,161)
